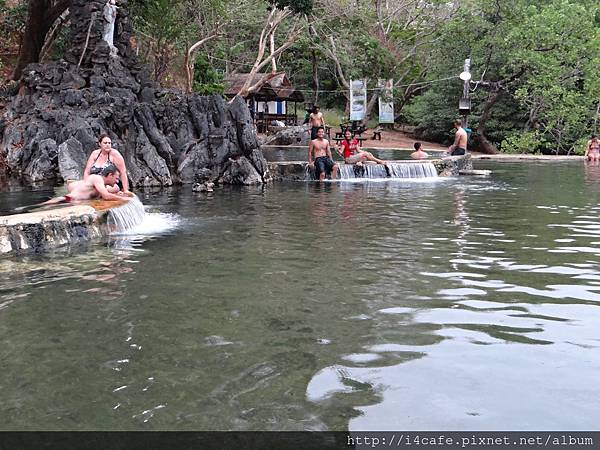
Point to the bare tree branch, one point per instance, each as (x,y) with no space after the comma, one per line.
(189,58)
(274,20)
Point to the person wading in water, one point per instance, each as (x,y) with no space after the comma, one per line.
(103,157)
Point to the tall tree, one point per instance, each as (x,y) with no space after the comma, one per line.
(534,84)
(280,10)
(209,17)
(41,17)
(388,39)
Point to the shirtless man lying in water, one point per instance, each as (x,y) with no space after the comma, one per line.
(94,186)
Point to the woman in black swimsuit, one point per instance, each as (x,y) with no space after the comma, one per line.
(105,156)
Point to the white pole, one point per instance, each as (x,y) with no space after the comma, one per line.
(467,69)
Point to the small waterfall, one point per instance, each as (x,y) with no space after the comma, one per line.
(126,216)
(396,170)
(413,170)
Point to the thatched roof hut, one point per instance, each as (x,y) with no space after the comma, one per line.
(276,87)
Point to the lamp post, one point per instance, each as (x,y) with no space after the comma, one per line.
(464,104)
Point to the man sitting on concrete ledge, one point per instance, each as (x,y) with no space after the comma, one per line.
(460,140)
(319,157)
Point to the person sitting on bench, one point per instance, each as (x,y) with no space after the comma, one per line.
(377,133)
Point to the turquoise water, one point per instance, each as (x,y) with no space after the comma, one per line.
(449,304)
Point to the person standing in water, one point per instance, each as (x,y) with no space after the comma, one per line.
(592,149)
(319,156)
(103,157)
(460,140)
(418,153)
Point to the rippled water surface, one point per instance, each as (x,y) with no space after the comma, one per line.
(453,304)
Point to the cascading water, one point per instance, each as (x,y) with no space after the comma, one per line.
(412,170)
(126,216)
(395,170)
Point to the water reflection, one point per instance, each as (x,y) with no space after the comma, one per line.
(592,174)
(453,304)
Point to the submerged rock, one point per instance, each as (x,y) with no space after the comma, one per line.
(203,187)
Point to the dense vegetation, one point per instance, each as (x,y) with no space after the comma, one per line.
(535,63)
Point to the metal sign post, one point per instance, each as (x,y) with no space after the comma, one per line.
(464,104)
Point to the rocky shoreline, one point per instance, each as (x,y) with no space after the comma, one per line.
(51,125)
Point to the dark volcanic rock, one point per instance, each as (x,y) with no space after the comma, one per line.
(71,159)
(53,123)
(297,135)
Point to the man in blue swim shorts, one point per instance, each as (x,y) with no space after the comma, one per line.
(319,157)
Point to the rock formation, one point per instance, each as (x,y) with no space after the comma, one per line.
(51,125)
(39,231)
(295,135)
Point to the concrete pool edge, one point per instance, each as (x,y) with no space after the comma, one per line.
(39,231)
(296,170)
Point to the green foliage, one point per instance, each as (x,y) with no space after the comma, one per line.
(12,18)
(544,58)
(433,112)
(541,56)
(298,6)
(580,145)
(61,43)
(333,117)
(206,79)
(160,19)
(525,142)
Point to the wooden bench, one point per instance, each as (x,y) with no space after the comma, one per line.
(264,120)
(376,135)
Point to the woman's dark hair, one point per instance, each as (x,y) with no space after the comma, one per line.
(102,136)
(417,145)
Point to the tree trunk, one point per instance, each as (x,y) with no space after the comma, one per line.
(315,77)
(315,66)
(42,15)
(51,35)
(370,104)
(49,128)
(190,60)
(481,141)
